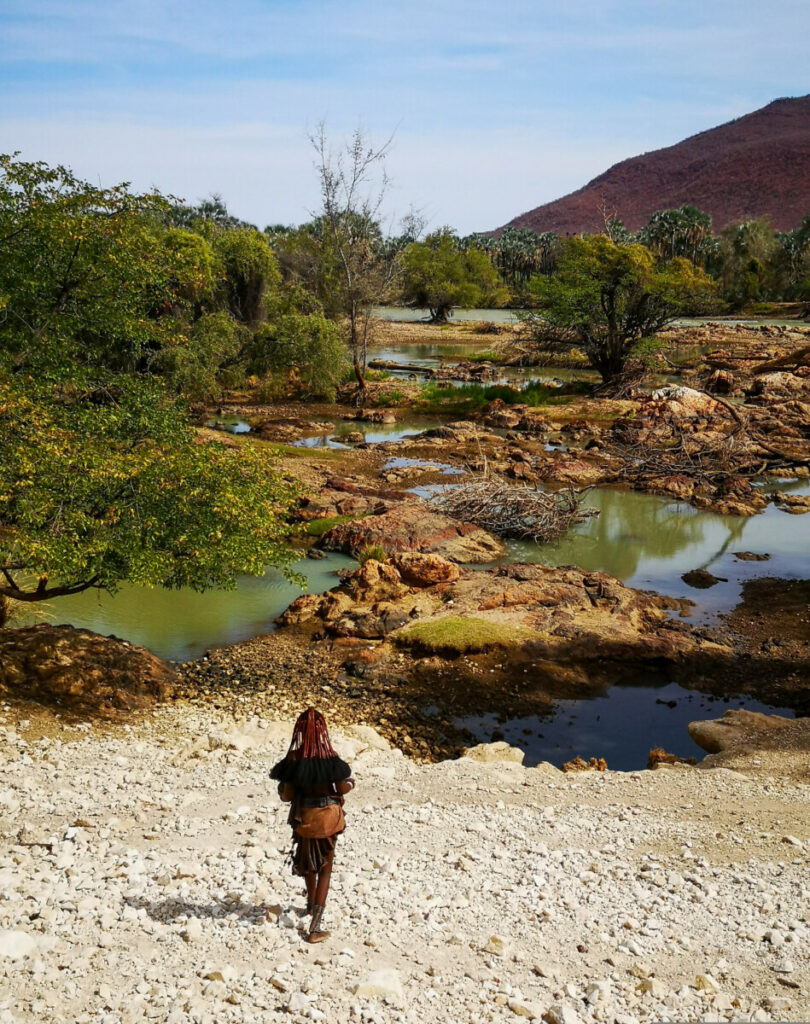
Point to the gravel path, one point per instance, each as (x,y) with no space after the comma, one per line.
(143,878)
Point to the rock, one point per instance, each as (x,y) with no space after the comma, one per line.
(81,671)
(701,579)
(297,1003)
(738,729)
(193,931)
(497,945)
(521,1008)
(384,983)
(413,527)
(561,1013)
(796,504)
(490,753)
(15,944)
(424,570)
(706,983)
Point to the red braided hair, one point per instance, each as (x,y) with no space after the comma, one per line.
(310,738)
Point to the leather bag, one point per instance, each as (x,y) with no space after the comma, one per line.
(320,822)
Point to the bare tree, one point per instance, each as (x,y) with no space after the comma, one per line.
(354,184)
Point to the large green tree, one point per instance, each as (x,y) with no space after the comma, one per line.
(439,273)
(605,297)
(101,482)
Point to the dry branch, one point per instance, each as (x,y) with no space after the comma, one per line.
(510,510)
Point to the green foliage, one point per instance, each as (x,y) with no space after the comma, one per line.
(454,635)
(605,297)
(374,551)
(101,482)
(685,232)
(198,365)
(251,271)
(310,348)
(79,274)
(389,398)
(746,263)
(438,275)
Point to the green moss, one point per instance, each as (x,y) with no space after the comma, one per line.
(318,527)
(454,635)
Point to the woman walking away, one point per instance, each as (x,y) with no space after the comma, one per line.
(314,780)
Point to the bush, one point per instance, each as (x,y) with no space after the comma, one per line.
(375,551)
(307,347)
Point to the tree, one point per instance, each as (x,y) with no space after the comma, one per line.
(250,272)
(745,262)
(307,346)
(101,483)
(604,298)
(355,269)
(80,272)
(437,274)
(685,232)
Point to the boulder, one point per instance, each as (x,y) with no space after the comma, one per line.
(492,752)
(424,570)
(739,729)
(412,527)
(80,671)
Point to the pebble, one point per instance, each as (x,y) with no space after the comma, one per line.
(468,890)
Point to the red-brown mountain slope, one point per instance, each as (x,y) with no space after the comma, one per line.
(756,166)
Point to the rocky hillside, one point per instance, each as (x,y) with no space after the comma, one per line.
(755,166)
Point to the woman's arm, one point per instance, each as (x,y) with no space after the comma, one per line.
(344,787)
(286,791)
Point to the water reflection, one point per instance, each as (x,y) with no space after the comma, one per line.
(621,726)
(182,624)
(650,542)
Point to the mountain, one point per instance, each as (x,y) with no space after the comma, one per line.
(755,166)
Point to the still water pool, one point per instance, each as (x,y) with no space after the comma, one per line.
(622,727)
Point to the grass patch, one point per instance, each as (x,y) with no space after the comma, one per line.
(473,397)
(375,551)
(455,635)
(318,527)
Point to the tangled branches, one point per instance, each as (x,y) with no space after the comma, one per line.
(509,510)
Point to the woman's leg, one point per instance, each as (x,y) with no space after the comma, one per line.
(311,881)
(324,878)
(316,933)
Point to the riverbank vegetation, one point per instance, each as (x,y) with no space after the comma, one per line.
(126,317)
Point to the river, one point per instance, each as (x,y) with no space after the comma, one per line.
(646,541)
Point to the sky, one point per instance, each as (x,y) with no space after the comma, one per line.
(494,107)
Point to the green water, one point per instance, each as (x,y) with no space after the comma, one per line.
(650,542)
(646,541)
(182,624)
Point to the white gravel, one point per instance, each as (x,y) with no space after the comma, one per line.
(143,878)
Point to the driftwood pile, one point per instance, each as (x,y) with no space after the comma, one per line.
(510,510)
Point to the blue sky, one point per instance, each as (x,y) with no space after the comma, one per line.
(496,106)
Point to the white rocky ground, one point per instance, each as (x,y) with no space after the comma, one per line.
(143,878)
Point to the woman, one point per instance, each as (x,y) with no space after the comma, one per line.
(314,780)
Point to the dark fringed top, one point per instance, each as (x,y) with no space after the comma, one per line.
(310,771)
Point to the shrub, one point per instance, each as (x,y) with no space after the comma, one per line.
(375,551)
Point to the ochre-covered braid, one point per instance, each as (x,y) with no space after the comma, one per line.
(310,738)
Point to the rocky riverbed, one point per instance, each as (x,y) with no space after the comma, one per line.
(144,878)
